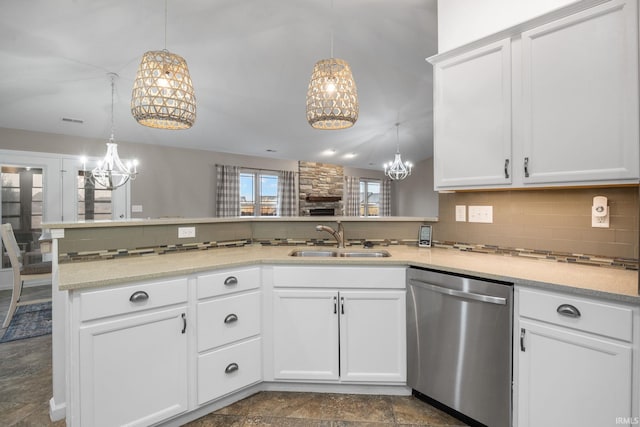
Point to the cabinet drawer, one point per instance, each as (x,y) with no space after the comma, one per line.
(229,369)
(227,319)
(131,298)
(607,319)
(215,284)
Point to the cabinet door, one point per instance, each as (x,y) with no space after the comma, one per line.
(133,371)
(571,379)
(580,97)
(472,114)
(372,336)
(305,329)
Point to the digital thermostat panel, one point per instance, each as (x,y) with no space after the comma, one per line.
(424,237)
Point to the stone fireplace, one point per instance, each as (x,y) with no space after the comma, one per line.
(321,188)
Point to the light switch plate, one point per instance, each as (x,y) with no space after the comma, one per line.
(482,214)
(186,232)
(461,213)
(136,208)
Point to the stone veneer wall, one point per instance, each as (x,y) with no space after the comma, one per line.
(320,179)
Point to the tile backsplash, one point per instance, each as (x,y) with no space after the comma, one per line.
(556,220)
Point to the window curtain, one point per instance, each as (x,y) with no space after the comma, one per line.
(287,195)
(227,191)
(385,198)
(351,196)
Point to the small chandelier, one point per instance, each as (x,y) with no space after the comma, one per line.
(397,170)
(163,95)
(111,172)
(332,97)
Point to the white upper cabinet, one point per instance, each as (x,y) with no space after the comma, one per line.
(550,102)
(472,100)
(580,97)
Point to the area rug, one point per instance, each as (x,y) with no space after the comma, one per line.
(31,320)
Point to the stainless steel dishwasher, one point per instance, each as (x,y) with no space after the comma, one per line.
(459,340)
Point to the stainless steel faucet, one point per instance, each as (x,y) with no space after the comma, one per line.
(338,235)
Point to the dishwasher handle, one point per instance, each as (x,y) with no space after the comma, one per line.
(461,294)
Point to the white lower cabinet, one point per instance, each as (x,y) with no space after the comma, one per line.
(346,335)
(132,359)
(576,361)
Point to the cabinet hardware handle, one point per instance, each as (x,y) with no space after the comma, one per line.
(568,310)
(526,167)
(232,367)
(506,168)
(342,305)
(335,305)
(230,281)
(139,296)
(184,323)
(231,318)
(522,332)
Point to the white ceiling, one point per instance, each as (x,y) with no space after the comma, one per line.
(250,62)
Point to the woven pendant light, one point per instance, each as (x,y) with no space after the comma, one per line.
(332,97)
(163,94)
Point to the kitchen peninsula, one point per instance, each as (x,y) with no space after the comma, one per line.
(106,269)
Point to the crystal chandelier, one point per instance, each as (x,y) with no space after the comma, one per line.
(111,172)
(163,95)
(332,97)
(397,170)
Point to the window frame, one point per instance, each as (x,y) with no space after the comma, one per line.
(258,204)
(364,205)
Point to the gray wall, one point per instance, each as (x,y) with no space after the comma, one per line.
(414,196)
(177,182)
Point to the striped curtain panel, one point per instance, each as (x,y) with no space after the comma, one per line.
(385,198)
(287,194)
(351,196)
(228,191)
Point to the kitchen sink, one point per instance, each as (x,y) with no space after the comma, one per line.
(342,254)
(311,253)
(364,254)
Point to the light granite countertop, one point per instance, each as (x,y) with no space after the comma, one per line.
(614,284)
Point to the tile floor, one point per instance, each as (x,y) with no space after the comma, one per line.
(25,390)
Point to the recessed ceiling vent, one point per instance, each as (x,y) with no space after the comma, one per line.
(70,120)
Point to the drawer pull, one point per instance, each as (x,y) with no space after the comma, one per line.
(231,281)
(139,296)
(231,318)
(568,310)
(231,368)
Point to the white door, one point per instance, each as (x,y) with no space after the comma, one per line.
(580,97)
(305,334)
(373,336)
(134,370)
(472,118)
(571,379)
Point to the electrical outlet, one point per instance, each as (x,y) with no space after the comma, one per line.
(186,232)
(461,213)
(481,214)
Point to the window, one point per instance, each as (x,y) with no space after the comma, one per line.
(22,205)
(258,193)
(369,197)
(93,203)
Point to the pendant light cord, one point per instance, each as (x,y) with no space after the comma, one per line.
(332,23)
(398,137)
(165,24)
(113,77)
